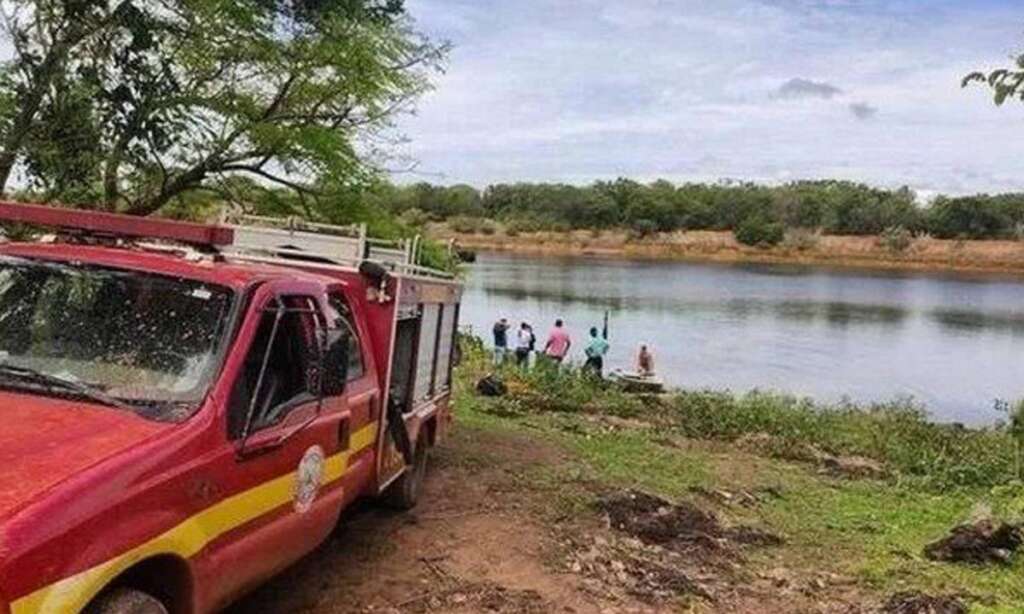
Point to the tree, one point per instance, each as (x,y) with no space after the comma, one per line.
(188,94)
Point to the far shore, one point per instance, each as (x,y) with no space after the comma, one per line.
(924,254)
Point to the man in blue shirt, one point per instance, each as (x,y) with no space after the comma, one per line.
(595,351)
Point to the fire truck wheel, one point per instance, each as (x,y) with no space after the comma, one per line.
(405,492)
(126,601)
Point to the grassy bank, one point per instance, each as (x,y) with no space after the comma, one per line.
(924,253)
(869,532)
(897,435)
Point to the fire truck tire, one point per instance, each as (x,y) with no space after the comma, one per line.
(126,601)
(405,492)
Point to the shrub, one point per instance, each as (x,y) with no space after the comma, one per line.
(415,217)
(472,225)
(896,239)
(801,239)
(760,232)
(519,225)
(643,228)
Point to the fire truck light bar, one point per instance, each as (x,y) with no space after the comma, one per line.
(117,224)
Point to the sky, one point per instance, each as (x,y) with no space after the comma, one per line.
(703,90)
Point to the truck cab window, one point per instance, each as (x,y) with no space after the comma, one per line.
(342,318)
(276,375)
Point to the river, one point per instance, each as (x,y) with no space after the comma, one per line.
(953,342)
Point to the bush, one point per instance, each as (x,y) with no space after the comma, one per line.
(519,225)
(801,239)
(643,228)
(896,239)
(760,232)
(973,217)
(415,218)
(472,225)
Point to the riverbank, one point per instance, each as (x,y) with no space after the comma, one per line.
(920,254)
(534,505)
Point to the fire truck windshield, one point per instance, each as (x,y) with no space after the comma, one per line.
(139,340)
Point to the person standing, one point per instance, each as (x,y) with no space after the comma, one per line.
(500,341)
(645,362)
(595,351)
(525,342)
(557,347)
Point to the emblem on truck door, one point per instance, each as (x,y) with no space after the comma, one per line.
(308,478)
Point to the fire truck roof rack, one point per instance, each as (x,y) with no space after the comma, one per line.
(240,237)
(286,240)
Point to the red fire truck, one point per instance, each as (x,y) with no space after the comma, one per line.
(186,409)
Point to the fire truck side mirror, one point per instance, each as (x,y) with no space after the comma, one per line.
(335,372)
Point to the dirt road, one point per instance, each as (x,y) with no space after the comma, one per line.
(476,543)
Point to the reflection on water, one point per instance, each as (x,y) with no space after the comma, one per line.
(954,342)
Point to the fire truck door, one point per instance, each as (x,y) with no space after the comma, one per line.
(282,446)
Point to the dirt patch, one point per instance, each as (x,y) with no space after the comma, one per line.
(455,594)
(979,543)
(920,603)
(615,567)
(681,527)
(478,542)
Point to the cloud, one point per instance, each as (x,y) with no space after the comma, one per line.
(579,90)
(862,110)
(805,88)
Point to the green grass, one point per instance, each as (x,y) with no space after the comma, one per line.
(870,531)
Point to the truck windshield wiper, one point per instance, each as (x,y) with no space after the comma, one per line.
(52,381)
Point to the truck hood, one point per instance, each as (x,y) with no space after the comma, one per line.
(44,441)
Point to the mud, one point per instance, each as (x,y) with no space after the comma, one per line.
(980,543)
(682,527)
(919,603)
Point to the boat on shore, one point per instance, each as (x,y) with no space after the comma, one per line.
(634,382)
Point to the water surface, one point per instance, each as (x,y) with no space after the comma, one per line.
(955,343)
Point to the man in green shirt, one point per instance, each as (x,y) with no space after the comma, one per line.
(595,351)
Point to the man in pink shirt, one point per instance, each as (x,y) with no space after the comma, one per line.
(557,347)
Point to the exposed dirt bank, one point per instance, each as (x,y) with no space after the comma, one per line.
(860,252)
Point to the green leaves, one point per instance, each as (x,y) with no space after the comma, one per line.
(1005,83)
(183,95)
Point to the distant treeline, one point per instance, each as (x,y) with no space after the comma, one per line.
(756,213)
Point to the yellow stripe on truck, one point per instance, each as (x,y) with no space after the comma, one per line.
(72,594)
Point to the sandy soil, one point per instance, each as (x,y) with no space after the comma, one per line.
(863,252)
(484,539)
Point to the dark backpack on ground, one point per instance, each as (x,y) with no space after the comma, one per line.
(491,386)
